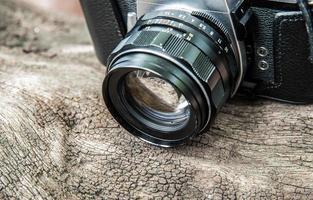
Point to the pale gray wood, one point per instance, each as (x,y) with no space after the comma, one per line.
(58,140)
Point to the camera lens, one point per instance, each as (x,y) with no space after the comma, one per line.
(170,75)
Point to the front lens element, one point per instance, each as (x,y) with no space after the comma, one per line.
(153,93)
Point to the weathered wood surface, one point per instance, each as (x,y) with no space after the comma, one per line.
(58,140)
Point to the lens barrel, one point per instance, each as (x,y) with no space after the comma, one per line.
(170,75)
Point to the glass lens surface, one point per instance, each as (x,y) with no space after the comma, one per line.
(157,97)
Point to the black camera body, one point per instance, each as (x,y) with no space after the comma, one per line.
(207,50)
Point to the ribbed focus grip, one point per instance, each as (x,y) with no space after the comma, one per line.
(179,48)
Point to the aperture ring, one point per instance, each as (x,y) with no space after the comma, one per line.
(212,21)
(181,19)
(188,32)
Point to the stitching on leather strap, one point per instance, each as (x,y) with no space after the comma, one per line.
(277,64)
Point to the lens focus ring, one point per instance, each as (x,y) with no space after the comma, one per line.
(179,48)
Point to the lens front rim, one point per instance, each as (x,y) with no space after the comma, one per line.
(137,125)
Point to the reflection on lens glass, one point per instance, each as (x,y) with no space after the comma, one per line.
(158,96)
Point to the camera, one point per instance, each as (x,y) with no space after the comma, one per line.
(173,64)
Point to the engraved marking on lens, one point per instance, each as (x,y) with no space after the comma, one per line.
(263,65)
(198,23)
(262,51)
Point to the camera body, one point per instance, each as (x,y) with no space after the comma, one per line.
(209,50)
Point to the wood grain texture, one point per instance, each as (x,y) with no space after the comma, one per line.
(58,140)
